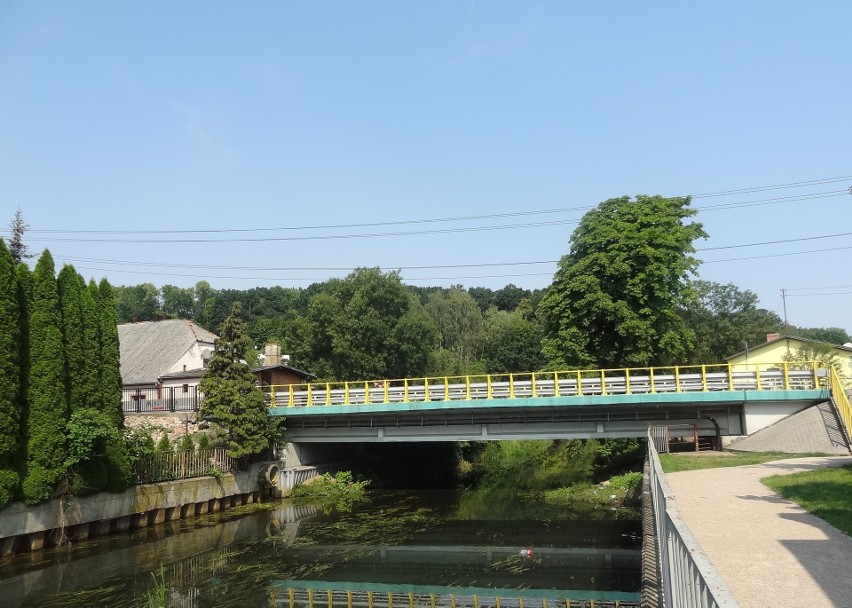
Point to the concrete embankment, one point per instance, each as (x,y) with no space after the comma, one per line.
(30,528)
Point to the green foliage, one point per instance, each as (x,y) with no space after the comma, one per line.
(628,481)
(203,441)
(365,326)
(830,335)
(157,595)
(48,406)
(536,465)
(164,445)
(672,463)
(824,354)
(616,297)
(87,433)
(137,303)
(724,319)
(827,493)
(109,376)
(10,377)
(461,331)
(185,442)
(341,489)
(78,337)
(233,404)
(139,444)
(513,341)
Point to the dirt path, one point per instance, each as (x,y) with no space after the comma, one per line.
(768,550)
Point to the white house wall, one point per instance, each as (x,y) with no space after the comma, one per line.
(191,359)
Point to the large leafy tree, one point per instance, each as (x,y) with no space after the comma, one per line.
(48,405)
(10,377)
(616,296)
(232,403)
(461,332)
(365,326)
(513,340)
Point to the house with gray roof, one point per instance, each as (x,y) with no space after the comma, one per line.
(154,352)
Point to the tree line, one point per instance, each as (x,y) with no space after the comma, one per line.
(626,294)
(60,386)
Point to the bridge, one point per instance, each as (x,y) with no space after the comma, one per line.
(710,400)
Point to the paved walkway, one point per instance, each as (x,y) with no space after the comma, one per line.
(768,550)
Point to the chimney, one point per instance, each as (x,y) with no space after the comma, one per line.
(772,336)
(272,354)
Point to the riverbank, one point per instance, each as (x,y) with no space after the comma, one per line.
(30,528)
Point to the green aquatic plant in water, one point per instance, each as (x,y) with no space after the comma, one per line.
(340,490)
(155,597)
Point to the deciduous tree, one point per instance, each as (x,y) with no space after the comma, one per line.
(724,319)
(616,296)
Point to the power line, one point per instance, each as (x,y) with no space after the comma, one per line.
(809,295)
(427,266)
(325,237)
(720,206)
(776,255)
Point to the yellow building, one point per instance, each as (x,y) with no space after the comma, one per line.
(777,348)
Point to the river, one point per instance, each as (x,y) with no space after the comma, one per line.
(423,542)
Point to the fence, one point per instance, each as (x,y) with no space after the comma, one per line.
(687,577)
(183,464)
(290,597)
(579,383)
(163,399)
(841,402)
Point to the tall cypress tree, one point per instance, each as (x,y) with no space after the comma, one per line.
(109,360)
(79,327)
(109,384)
(78,361)
(24,277)
(10,377)
(48,406)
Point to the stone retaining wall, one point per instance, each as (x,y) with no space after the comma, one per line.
(30,528)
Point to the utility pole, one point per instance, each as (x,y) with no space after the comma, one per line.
(784,300)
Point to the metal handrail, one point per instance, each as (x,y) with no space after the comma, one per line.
(841,400)
(533,385)
(688,579)
(387,597)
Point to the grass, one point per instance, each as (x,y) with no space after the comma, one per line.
(690,461)
(826,493)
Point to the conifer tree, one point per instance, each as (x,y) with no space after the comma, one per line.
(78,357)
(10,377)
(109,359)
(232,402)
(48,408)
(109,383)
(24,278)
(17,247)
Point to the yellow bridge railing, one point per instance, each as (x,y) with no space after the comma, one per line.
(337,598)
(841,400)
(579,383)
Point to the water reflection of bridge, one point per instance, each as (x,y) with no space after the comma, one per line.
(322,594)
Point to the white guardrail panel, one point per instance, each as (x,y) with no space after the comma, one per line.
(688,578)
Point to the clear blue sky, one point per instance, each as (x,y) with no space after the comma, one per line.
(151,116)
